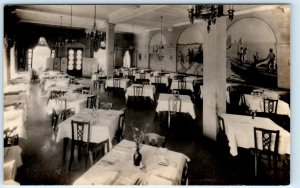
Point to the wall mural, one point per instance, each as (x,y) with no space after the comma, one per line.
(249,55)
(190,58)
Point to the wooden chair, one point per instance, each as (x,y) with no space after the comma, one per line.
(98,150)
(121,128)
(174,106)
(185,174)
(79,130)
(270,106)
(266,147)
(85,92)
(67,113)
(116,89)
(54,119)
(154,139)
(9,139)
(105,105)
(91,101)
(137,95)
(257,93)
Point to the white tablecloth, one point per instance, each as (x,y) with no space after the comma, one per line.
(12,160)
(187,105)
(70,88)
(14,118)
(189,85)
(75,101)
(257,103)
(116,167)
(240,132)
(124,82)
(147,76)
(148,91)
(17,88)
(104,124)
(164,80)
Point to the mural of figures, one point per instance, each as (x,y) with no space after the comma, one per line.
(251,53)
(190,58)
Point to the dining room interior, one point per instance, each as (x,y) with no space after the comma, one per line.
(142,94)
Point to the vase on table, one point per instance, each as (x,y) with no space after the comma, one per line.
(137,158)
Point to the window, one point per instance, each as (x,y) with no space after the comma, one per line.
(29,58)
(74,59)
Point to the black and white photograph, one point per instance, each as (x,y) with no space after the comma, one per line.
(147,94)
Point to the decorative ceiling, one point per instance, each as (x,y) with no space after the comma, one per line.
(128,18)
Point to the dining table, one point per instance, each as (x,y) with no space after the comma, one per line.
(12,161)
(163,80)
(74,101)
(239,130)
(256,103)
(124,83)
(14,121)
(159,166)
(104,124)
(187,106)
(189,85)
(148,91)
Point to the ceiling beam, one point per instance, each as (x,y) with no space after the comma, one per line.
(125,14)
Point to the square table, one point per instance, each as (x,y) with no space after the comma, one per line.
(116,167)
(187,106)
(239,130)
(189,85)
(164,80)
(257,103)
(148,91)
(104,124)
(75,101)
(14,118)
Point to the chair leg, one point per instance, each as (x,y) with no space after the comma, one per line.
(72,155)
(255,164)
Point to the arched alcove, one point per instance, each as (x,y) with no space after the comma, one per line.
(156,55)
(257,37)
(189,51)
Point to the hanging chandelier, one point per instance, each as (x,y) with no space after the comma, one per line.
(92,33)
(132,44)
(208,13)
(161,45)
(70,38)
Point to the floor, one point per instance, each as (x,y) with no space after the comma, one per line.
(210,164)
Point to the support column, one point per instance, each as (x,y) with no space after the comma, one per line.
(6,60)
(214,75)
(283,65)
(110,39)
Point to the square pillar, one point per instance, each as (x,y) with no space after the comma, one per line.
(110,39)
(214,77)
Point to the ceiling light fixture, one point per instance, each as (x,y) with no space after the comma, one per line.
(208,13)
(92,33)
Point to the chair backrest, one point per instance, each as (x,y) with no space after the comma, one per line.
(67,113)
(62,103)
(116,82)
(121,128)
(154,139)
(105,105)
(142,76)
(98,151)
(270,105)
(157,79)
(175,93)
(91,101)
(145,82)
(266,140)
(181,84)
(78,131)
(257,93)
(221,125)
(56,94)
(174,105)
(138,90)
(185,174)
(85,92)
(9,139)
